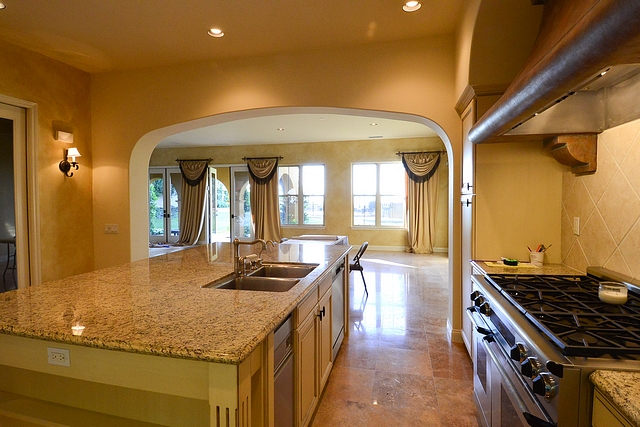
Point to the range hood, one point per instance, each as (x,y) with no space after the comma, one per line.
(582,77)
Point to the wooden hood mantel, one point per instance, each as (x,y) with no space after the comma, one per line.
(577,41)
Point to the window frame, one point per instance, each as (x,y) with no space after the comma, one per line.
(378,204)
(300,195)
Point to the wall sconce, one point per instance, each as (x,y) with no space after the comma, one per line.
(69,162)
(64,136)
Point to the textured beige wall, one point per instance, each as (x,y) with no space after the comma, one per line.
(414,77)
(503,37)
(337,158)
(518,202)
(62,94)
(608,205)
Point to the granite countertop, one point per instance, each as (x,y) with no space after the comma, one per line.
(489,267)
(157,306)
(623,389)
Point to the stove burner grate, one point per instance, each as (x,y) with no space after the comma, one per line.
(567,309)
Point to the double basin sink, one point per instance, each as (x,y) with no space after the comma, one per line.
(268,278)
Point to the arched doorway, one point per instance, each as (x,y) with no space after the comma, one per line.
(142,152)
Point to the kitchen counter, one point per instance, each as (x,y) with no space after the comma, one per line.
(157,306)
(622,388)
(486,267)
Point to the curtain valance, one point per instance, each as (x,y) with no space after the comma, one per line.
(193,171)
(420,167)
(262,170)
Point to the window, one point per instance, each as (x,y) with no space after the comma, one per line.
(301,182)
(378,191)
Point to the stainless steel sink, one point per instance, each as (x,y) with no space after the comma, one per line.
(254,283)
(284,270)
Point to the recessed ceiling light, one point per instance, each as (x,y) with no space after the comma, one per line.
(215,32)
(3,6)
(373,124)
(411,6)
(280,129)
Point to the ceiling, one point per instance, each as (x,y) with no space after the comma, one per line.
(113,35)
(297,128)
(119,35)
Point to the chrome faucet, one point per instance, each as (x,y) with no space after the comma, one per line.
(236,253)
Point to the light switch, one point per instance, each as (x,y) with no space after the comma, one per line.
(576,225)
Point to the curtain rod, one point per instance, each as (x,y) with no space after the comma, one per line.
(420,152)
(193,160)
(263,158)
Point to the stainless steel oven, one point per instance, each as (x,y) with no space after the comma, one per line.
(536,340)
(500,392)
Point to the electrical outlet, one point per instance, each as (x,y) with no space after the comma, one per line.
(58,356)
(111,229)
(576,225)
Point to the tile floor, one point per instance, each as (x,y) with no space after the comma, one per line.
(397,366)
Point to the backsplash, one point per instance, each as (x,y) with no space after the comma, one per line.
(608,205)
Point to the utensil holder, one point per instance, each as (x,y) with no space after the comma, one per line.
(536,258)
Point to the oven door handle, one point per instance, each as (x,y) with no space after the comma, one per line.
(477,324)
(531,419)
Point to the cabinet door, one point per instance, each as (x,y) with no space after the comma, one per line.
(604,414)
(467,200)
(307,362)
(325,307)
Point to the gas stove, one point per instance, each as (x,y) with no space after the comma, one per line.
(537,338)
(568,311)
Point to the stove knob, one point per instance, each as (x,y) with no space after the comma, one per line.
(479,301)
(518,352)
(474,295)
(530,367)
(485,308)
(545,385)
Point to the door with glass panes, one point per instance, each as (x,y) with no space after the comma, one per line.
(241,222)
(164,204)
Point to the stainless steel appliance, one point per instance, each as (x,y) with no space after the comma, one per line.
(337,318)
(536,340)
(283,375)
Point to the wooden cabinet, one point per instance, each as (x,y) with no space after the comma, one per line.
(307,367)
(605,414)
(313,350)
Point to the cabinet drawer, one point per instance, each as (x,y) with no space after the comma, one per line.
(306,306)
(324,286)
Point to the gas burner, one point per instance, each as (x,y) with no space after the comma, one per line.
(582,338)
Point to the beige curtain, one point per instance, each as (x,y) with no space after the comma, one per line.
(265,210)
(422,199)
(195,183)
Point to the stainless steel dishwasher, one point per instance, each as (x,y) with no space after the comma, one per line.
(283,374)
(337,294)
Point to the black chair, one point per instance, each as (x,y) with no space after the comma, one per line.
(356,266)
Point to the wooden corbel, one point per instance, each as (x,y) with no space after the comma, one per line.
(578,151)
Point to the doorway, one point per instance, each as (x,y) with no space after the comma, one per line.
(220,205)
(14,216)
(241,225)
(164,205)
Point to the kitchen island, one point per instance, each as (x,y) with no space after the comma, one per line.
(147,342)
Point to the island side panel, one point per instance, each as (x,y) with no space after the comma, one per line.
(153,389)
